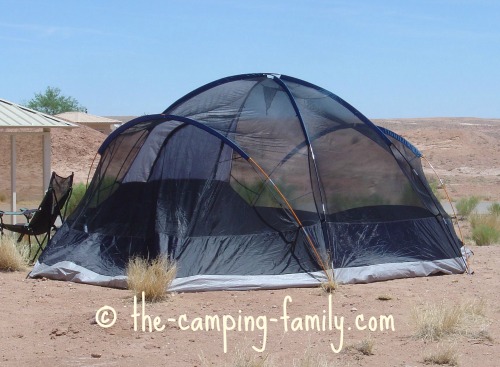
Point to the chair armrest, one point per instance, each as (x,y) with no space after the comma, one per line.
(10,213)
(28,213)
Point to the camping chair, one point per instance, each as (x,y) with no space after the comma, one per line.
(40,222)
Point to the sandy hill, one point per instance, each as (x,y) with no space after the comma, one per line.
(74,150)
(464,151)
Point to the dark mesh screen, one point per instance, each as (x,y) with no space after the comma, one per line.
(293,162)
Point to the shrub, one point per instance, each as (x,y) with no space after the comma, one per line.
(435,185)
(485,235)
(263,193)
(13,257)
(151,277)
(494,209)
(485,229)
(77,194)
(466,206)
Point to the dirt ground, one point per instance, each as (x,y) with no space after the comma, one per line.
(51,323)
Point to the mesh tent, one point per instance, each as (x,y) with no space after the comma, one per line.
(256,181)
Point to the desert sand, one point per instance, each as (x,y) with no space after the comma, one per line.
(51,323)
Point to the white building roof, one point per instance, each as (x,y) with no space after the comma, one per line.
(86,118)
(15,116)
(123,119)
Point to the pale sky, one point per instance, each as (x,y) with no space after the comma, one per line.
(389,59)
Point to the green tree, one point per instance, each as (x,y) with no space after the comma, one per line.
(52,102)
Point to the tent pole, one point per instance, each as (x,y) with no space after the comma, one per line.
(329,274)
(452,208)
(310,148)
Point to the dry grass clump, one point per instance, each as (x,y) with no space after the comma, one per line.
(312,359)
(13,257)
(444,355)
(384,297)
(364,347)
(485,229)
(252,359)
(482,335)
(329,286)
(435,321)
(151,277)
(243,359)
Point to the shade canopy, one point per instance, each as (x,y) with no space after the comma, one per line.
(16,120)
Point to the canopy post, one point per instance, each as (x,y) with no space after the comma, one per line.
(46,159)
(13,159)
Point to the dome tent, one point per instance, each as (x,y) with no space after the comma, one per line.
(256,181)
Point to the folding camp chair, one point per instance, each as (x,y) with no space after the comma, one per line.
(40,222)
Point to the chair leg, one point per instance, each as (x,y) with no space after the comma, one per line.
(19,239)
(40,245)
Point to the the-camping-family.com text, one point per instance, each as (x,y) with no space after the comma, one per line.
(325,321)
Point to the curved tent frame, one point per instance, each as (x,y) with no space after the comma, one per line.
(165,118)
